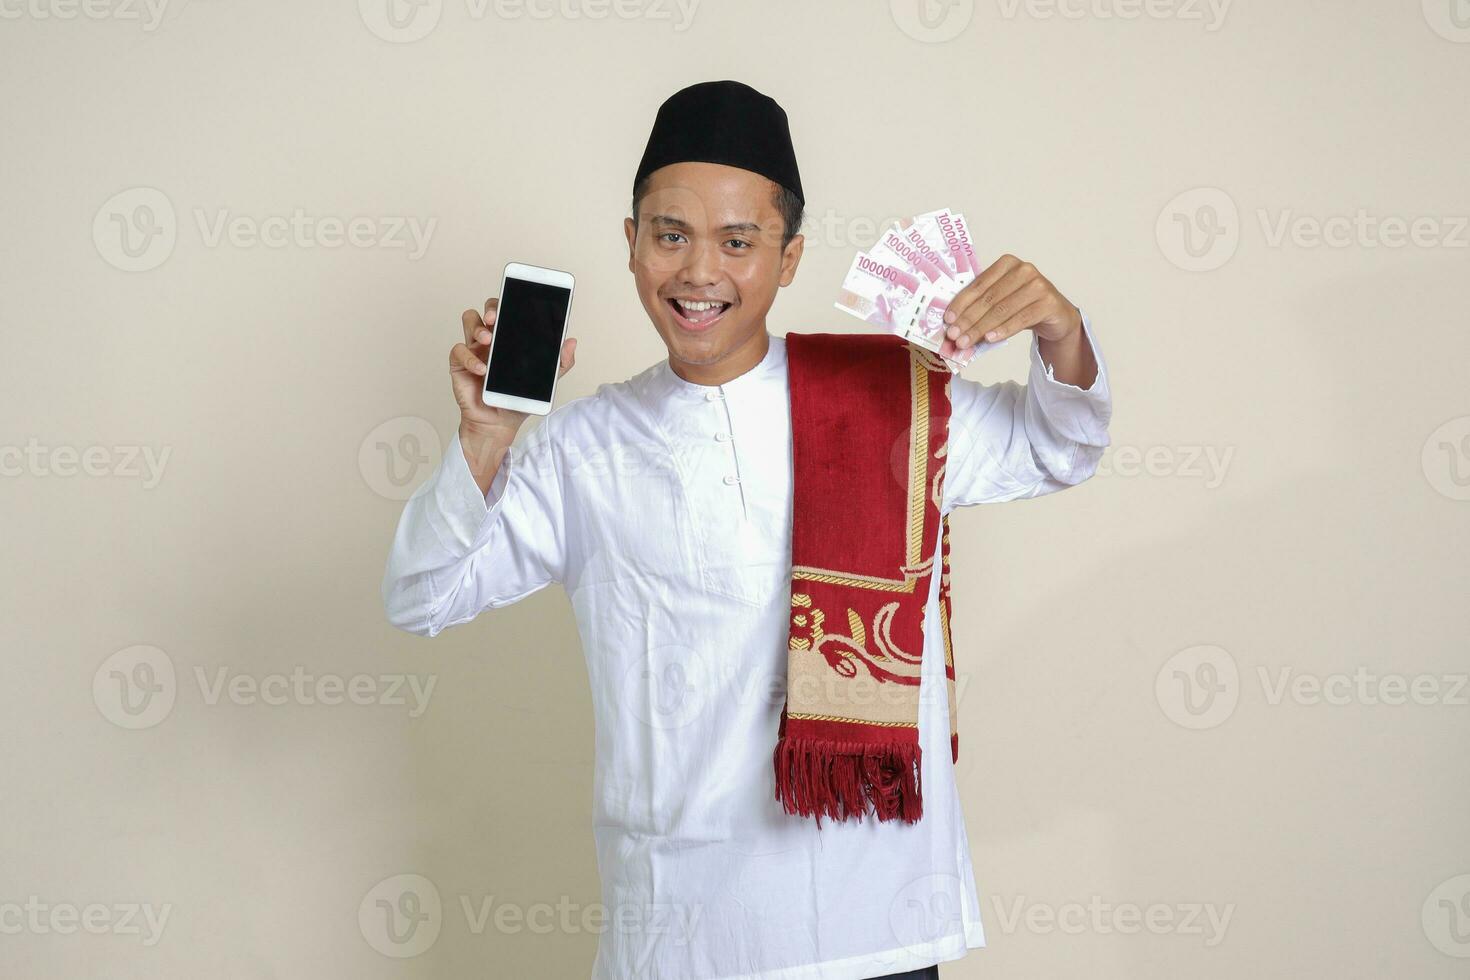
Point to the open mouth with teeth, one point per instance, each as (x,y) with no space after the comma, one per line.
(697,314)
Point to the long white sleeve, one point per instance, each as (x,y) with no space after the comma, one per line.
(458,552)
(1010,440)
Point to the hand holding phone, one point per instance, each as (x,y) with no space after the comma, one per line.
(521,369)
(485,429)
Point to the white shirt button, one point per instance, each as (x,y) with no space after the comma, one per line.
(730,481)
(722,437)
(712,395)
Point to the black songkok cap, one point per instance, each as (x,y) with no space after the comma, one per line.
(723,122)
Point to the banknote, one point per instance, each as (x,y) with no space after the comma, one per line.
(883,293)
(911,247)
(906,281)
(951,231)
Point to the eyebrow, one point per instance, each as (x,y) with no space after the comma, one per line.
(670,221)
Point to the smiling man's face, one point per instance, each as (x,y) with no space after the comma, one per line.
(707,258)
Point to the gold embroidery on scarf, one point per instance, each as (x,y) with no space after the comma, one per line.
(852,721)
(944,630)
(883,636)
(918,456)
(806,573)
(944,601)
(855,625)
(931,360)
(854,648)
(801,600)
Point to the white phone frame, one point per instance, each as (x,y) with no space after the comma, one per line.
(550,277)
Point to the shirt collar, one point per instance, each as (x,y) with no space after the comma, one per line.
(667,384)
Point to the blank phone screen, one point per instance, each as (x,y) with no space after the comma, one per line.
(526,352)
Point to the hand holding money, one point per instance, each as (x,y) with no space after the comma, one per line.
(909,279)
(1008,297)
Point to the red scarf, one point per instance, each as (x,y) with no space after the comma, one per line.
(869,437)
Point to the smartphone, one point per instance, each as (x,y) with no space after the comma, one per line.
(525,345)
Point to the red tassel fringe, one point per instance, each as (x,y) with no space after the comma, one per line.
(847,780)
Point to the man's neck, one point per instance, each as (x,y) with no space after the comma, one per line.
(729,367)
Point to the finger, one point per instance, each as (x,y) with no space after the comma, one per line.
(463,359)
(1025,317)
(971,293)
(1000,294)
(997,282)
(1034,291)
(985,329)
(492,305)
(568,355)
(475,331)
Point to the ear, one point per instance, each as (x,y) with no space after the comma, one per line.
(791,258)
(630,230)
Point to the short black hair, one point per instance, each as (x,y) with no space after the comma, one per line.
(793,211)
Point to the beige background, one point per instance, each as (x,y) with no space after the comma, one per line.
(1326,543)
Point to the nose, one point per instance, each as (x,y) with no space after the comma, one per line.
(701,265)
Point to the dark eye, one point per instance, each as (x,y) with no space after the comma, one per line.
(738,241)
(670,234)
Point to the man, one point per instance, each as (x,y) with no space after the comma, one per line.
(663,504)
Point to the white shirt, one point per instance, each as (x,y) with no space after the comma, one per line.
(663,507)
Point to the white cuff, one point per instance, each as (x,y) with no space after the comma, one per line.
(458,512)
(1079,414)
